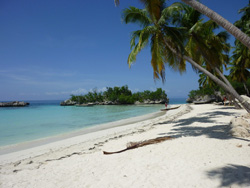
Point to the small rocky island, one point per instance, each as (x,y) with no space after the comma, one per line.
(14,104)
(117,96)
(69,102)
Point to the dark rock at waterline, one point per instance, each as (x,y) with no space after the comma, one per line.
(68,103)
(154,102)
(189,100)
(14,104)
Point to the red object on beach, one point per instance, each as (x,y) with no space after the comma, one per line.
(166,105)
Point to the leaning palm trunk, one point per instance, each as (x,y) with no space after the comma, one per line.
(221,75)
(236,104)
(245,86)
(229,84)
(236,32)
(227,88)
(217,70)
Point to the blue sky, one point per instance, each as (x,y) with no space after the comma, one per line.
(51,49)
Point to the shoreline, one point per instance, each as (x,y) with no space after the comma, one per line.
(201,154)
(72,124)
(93,128)
(91,134)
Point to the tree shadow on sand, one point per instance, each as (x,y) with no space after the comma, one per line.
(183,127)
(232,175)
(207,117)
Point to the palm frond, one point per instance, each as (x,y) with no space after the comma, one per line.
(139,39)
(157,61)
(136,15)
(177,36)
(169,13)
(173,61)
(154,8)
(183,15)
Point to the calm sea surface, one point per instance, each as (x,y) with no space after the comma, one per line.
(47,118)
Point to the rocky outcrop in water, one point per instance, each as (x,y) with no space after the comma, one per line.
(216,97)
(73,103)
(68,103)
(14,104)
(151,102)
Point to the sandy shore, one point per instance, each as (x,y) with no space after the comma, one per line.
(201,154)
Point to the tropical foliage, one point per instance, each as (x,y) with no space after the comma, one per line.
(212,89)
(202,91)
(195,4)
(120,95)
(241,54)
(153,31)
(177,34)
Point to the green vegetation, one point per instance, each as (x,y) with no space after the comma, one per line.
(120,95)
(211,89)
(200,92)
(177,34)
(154,6)
(239,65)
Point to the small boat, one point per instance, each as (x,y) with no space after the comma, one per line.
(173,108)
(202,102)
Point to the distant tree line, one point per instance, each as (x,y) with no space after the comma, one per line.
(121,95)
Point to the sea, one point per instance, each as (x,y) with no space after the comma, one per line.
(47,118)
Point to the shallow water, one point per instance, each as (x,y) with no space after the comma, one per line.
(47,118)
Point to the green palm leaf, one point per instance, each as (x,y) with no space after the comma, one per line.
(136,15)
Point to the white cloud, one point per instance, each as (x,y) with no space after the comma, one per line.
(16,77)
(58,93)
(98,89)
(79,91)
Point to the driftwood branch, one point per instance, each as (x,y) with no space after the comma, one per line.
(173,108)
(133,145)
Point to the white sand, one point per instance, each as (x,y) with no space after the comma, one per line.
(202,154)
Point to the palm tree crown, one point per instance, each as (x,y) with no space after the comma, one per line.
(154,31)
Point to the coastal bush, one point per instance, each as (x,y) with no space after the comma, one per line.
(123,99)
(201,92)
(113,94)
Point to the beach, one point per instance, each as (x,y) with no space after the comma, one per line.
(200,153)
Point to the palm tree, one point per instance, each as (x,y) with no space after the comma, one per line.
(239,65)
(236,32)
(203,45)
(241,55)
(166,44)
(154,31)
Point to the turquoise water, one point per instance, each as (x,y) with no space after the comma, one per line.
(47,118)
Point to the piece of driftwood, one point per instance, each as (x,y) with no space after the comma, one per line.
(133,145)
(173,108)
